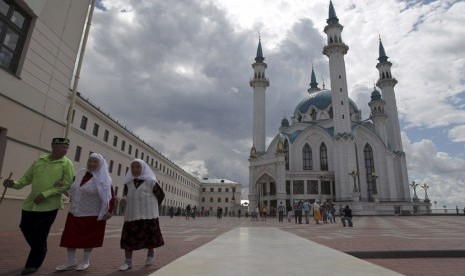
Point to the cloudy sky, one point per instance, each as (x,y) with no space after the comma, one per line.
(177,72)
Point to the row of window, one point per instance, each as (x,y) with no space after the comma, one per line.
(128,148)
(212,190)
(307,157)
(226,200)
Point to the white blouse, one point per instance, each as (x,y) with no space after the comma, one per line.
(141,202)
(85,200)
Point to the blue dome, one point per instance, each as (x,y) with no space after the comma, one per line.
(321,100)
(375,95)
(284,122)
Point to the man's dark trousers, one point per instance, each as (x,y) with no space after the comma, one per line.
(35,227)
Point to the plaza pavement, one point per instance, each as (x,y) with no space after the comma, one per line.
(416,239)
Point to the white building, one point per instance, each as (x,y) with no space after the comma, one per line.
(327,151)
(39,43)
(222,193)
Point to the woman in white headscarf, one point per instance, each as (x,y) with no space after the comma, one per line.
(91,205)
(141,228)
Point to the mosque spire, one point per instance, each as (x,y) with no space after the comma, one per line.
(382,54)
(259,57)
(332,18)
(313,83)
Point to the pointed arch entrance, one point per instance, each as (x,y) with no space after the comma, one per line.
(265,188)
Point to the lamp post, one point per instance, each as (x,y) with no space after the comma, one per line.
(425,186)
(373,189)
(354,174)
(414,186)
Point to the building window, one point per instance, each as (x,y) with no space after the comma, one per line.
(147,159)
(72,116)
(95,130)
(323,157)
(127,169)
(370,169)
(307,158)
(219,200)
(119,169)
(219,190)
(325,187)
(226,190)
(116,191)
(211,190)
(14,26)
(77,155)
(137,153)
(203,199)
(226,200)
(151,163)
(105,135)
(123,145)
(203,190)
(130,149)
(110,166)
(288,187)
(286,154)
(115,140)
(142,155)
(298,187)
(211,199)
(312,187)
(84,122)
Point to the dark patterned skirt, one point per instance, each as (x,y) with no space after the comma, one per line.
(83,232)
(139,234)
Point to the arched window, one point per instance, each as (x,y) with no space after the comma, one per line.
(382,76)
(313,114)
(330,40)
(286,154)
(370,169)
(323,157)
(330,113)
(307,158)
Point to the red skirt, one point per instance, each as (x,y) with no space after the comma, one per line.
(83,232)
(139,234)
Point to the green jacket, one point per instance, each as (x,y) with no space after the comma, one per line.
(42,176)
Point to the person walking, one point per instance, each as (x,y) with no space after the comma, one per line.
(316,211)
(264,212)
(307,208)
(194,212)
(141,227)
(347,216)
(91,205)
(281,210)
(188,211)
(289,213)
(49,176)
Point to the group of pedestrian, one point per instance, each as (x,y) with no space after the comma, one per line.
(92,201)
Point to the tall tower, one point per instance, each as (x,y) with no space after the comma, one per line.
(344,145)
(335,50)
(259,83)
(386,82)
(313,84)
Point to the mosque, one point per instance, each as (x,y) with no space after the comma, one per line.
(326,151)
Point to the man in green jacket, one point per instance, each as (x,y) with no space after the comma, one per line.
(49,176)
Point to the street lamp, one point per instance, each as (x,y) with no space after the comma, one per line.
(354,174)
(425,186)
(414,186)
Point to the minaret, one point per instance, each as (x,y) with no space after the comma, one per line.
(344,146)
(377,115)
(335,50)
(386,83)
(313,84)
(259,83)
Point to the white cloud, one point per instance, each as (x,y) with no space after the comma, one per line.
(457,133)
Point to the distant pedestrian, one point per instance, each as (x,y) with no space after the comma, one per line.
(289,213)
(347,216)
(49,176)
(91,205)
(141,227)
(257,213)
(239,213)
(264,212)
(457,209)
(307,208)
(316,211)
(281,210)
(194,212)
(188,211)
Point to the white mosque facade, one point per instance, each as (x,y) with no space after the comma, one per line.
(327,151)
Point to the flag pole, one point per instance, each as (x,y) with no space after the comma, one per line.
(78,69)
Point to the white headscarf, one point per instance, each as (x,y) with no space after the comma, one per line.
(103,182)
(146,174)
